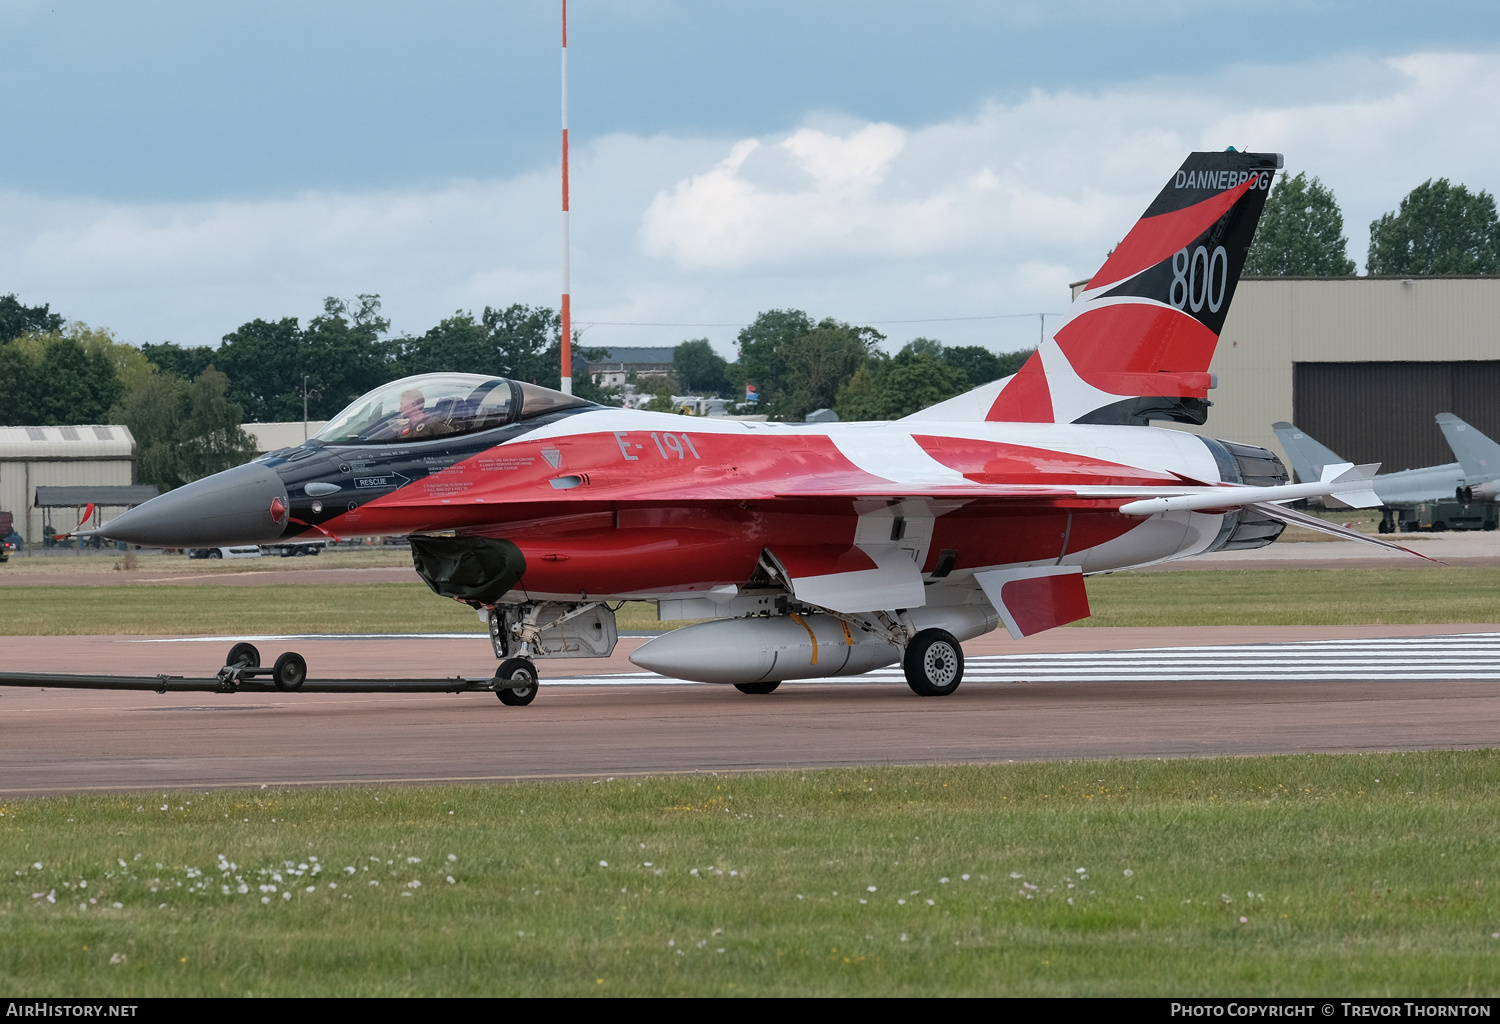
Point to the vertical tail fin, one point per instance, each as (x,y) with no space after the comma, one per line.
(1137,342)
(1308,457)
(1477,454)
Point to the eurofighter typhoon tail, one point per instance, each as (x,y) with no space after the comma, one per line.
(1478,459)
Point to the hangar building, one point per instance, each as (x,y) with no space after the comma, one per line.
(1360,363)
(94,463)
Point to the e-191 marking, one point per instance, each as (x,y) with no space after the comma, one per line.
(672,442)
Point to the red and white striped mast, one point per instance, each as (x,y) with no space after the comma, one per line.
(567,287)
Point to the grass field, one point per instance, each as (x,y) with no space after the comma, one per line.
(1254,597)
(67,563)
(1313,597)
(1370,874)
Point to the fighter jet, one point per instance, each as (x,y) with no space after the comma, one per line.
(1474,477)
(820,549)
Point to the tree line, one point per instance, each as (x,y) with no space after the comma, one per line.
(1439,228)
(799,365)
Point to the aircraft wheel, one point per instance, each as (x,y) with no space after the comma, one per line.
(757,687)
(934,663)
(289,672)
(516,670)
(243,652)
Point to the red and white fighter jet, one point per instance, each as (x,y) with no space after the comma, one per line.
(814,549)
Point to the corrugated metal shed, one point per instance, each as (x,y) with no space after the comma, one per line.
(105,497)
(92,455)
(94,442)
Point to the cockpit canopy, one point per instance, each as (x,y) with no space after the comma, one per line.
(433,405)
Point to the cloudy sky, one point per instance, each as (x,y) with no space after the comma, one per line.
(940,168)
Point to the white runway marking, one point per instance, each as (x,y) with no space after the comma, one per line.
(1410,659)
(1459,656)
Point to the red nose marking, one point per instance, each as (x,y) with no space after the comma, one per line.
(278,510)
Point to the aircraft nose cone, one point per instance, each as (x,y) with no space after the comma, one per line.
(244,505)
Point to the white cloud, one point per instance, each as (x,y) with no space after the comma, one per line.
(985,214)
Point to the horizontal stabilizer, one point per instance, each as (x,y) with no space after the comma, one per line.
(1294,518)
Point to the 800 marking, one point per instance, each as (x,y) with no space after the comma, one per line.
(671,441)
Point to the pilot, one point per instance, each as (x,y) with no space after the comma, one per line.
(418,424)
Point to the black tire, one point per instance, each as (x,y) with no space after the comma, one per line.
(757,687)
(514,670)
(934,663)
(215,553)
(289,672)
(243,652)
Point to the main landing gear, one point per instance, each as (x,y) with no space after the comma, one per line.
(516,682)
(758,687)
(934,663)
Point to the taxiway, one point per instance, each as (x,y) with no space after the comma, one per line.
(1115,705)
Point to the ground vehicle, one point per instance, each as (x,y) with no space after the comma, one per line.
(296,549)
(1438,516)
(819,549)
(232,551)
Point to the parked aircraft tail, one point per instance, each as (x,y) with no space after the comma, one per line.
(1477,454)
(1307,456)
(1136,343)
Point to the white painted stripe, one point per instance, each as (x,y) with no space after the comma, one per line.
(893,455)
(1385,659)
